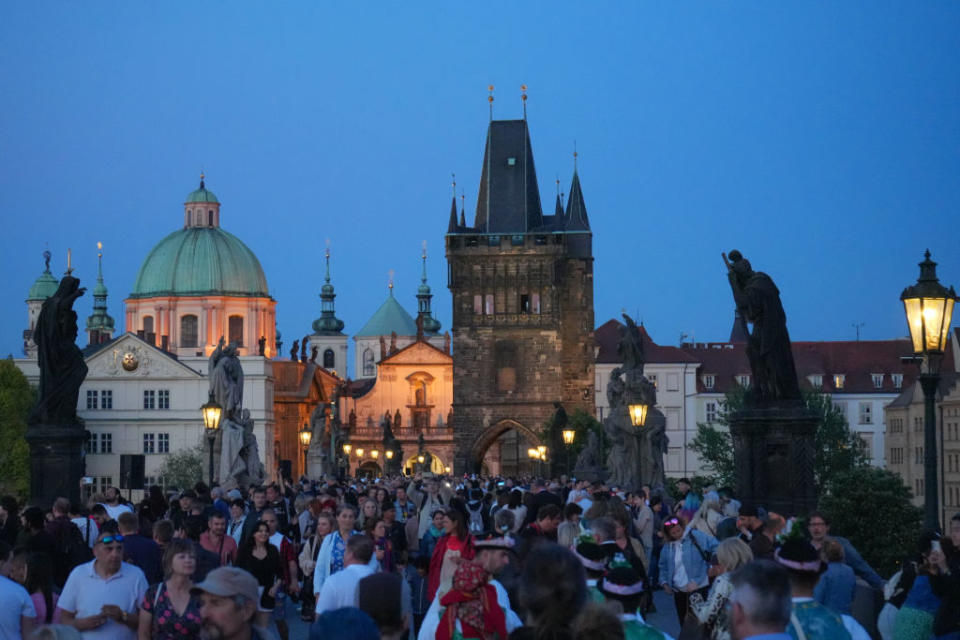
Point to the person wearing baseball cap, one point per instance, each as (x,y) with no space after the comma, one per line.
(228,605)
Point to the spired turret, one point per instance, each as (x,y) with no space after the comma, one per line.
(328,336)
(43,287)
(99,325)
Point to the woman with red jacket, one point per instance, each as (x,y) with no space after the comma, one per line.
(455,544)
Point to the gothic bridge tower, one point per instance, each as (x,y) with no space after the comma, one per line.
(522,289)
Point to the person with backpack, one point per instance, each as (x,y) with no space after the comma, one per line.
(70,547)
(477,521)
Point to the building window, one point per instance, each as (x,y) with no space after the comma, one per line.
(524,303)
(478,304)
(673,382)
(866,413)
(163,399)
(106,443)
(188,331)
(897,380)
(744,380)
(105,483)
(816,381)
(877,380)
(535,303)
(209,218)
(711,412)
(235,329)
(106,399)
(369,369)
(163,443)
(652,377)
(488,304)
(149,399)
(148,443)
(147,325)
(838,380)
(328,359)
(189,218)
(91,399)
(91,444)
(709,380)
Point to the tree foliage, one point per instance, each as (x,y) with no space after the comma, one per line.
(16,399)
(838,449)
(183,469)
(872,507)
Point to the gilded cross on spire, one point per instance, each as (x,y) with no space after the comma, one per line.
(490,100)
(523,98)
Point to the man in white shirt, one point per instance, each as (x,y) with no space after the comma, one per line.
(100,597)
(112,503)
(17,614)
(87,525)
(340,589)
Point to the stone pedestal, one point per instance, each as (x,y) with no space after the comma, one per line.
(56,462)
(774,455)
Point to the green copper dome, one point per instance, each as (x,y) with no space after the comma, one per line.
(44,287)
(200,261)
(388,318)
(202,194)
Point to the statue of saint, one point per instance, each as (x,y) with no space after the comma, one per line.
(262,346)
(226,378)
(294,350)
(62,369)
(630,348)
(768,345)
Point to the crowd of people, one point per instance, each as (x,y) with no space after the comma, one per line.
(436,557)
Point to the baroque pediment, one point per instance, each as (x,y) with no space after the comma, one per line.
(131,357)
(419,353)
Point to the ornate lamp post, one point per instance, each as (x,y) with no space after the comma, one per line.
(211,412)
(305,436)
(638,414)
(929,308)
(345,458)
(568,437)
(359,451)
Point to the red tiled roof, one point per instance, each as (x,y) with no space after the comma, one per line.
(607,338)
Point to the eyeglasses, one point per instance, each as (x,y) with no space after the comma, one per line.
(109,539)
(671,522)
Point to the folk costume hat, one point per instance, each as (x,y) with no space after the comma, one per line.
(493,541)
(591,555)
(799,555)
(621,583)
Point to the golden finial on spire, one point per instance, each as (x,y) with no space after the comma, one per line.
(523,98)
(454,184)
(390,283)
(424,256)
(490,100)
(99,247)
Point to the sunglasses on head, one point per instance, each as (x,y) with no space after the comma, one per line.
(109,539)
(671,522)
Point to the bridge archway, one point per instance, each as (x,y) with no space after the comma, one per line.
(502,449)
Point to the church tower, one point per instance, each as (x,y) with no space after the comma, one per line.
(431,326)
(43,287)
(522,289)
(328,336)
(100,324)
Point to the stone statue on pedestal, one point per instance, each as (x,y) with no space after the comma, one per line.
(239,460)
(55,434)
(636,453)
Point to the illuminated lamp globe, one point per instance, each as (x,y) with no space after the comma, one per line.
(929,308)
(211,412)
(638,414)
(568,436)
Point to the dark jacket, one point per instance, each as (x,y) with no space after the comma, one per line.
(539,500)
(144,553)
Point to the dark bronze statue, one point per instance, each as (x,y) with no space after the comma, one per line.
(768,345)
(303,349)
(62,369)
(262,346)
(294,349)
(314,350)
(397,419)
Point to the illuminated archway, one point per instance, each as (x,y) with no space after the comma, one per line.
(519,464)
(437,465)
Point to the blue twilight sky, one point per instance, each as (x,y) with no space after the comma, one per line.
(820,138)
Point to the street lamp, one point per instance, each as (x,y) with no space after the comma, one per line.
(638,414)
(359,452)
(448,469)
(389,454)
(929,308)
(347,448)
(568,437)
(305,436)
(211,412)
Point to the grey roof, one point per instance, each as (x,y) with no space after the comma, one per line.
(509,197)
(452,226)
(576,218)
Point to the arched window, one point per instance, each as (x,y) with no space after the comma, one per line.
(190,218)
(188,331)
(235,329)
(147,325)
(369,369)
(210,218)
(328,359)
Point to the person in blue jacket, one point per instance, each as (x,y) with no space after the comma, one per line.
(684,562)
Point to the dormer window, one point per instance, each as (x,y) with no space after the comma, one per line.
(897,379)
(816,381)
(744,380)
(838,380)
(877,380)
(709,380)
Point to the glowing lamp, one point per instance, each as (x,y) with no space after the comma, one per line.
(929,308)
(389,454)
(359,452)
(568,436)
(305,435)
(447,469)
(374,454)
(638,414)
(211,412)
(533,453)
(542,450)
(420,458)
(347,448)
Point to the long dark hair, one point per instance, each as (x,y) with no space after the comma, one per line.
(250,543)
(40,578)
(458,513)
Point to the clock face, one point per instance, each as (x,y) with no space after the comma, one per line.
(129,361)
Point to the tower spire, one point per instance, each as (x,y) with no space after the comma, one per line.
(490,100)
(328,323)
(424,314)
(463,209)
(523,98)
(99,325)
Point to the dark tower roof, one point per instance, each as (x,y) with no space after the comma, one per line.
(452,227)
(576,219)
(509,198)
(738,334)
